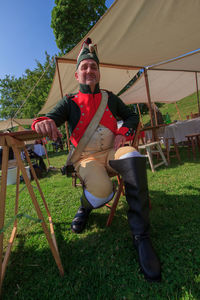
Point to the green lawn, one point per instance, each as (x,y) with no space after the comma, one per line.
(101,263)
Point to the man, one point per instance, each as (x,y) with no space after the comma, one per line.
(104,152)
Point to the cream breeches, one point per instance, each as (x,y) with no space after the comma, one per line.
(94,170)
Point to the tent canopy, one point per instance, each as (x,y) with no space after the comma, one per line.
(133,33)
(164,86)
(142,32)
(190,62)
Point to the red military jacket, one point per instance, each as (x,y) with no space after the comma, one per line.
(79,109)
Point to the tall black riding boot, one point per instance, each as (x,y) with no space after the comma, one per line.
(133,172)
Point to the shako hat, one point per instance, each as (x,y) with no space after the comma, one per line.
(88,51)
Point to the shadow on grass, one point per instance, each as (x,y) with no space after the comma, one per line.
(101,262)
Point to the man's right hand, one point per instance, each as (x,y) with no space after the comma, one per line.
(48,128)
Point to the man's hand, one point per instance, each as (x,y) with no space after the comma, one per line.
(119,141)
(48,127)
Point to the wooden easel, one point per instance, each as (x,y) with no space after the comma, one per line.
(16,142)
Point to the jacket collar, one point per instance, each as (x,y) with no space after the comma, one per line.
(85,89)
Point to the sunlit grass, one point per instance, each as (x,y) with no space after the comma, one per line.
(101,263)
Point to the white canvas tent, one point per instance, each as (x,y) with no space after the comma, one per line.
(164,86)
(167,82)
(190,62)
(132,33)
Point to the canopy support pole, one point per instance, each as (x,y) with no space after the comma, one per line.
(148,96)
(149,103)
(61,92)
(138,107)
(155,114)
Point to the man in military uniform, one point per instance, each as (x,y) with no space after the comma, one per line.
(104,152)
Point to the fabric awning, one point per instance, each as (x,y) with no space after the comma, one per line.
(134,33)
(164,86)
(190,62)
(142,32)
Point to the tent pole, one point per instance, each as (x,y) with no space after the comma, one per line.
(138,107)
(148,96)
(106,65)
(61,92)
(60,84)
(155,114)
(178,111)
(149,104)
(197,91)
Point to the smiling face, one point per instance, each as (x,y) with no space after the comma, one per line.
(88,73)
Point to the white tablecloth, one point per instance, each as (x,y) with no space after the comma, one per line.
(179,129)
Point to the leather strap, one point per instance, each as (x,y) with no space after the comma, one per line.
(90,129)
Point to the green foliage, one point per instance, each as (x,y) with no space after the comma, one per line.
(33,84)
(10,89)
(72,19)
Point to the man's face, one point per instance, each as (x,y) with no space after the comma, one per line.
(88,73)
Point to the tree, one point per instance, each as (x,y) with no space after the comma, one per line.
(10,89)
(33,87)
(72,19)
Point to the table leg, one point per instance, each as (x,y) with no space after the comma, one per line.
(193,147)
(167,150)
(53,247)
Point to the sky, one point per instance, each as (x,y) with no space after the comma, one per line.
(25,34)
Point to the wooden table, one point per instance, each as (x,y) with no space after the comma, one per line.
(17,142)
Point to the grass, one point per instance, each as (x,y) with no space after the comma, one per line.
(101,262)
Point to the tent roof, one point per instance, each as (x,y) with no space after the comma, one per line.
(143,32)
(164,86)
(190,62)
(133,33)
(10,123)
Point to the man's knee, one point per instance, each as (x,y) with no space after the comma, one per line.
(123,151)
(100,188)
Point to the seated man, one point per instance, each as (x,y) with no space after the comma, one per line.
(104,152)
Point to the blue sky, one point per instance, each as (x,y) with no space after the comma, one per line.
(25,34)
